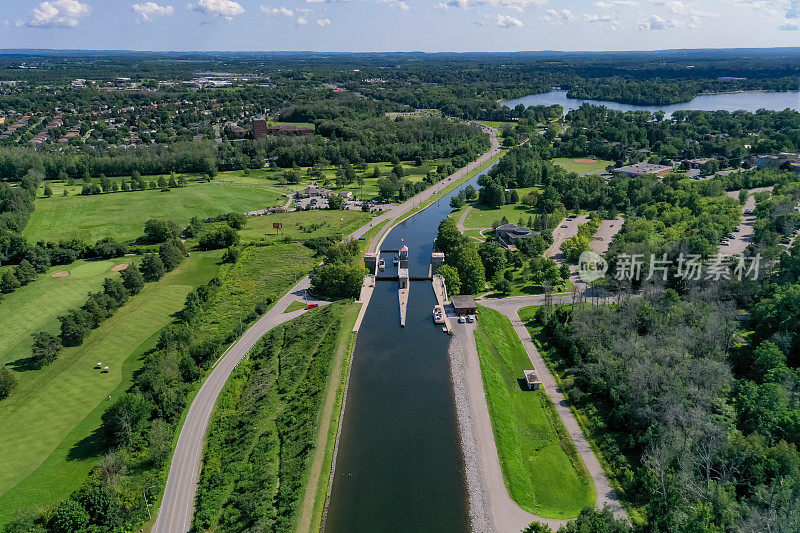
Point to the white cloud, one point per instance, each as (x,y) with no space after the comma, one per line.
(323,22)
(325,1)
(610,4)
(399,4)
(150,10)
(688,15)
(58,14)
(226,9)
(501,21)
(610,20)
(302,21)
(657,23)
(285,11)
(518,5)
(554,16)
(794,10)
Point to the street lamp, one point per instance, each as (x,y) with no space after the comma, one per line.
(146,503)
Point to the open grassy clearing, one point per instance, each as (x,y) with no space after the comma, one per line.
(262,274)
(541,467)
(49,441)
(122,215)
(302,225)
(37,305)
(520,286)
(482,216)
(581,167)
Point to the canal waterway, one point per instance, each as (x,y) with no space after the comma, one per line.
(399,465)
(746,101)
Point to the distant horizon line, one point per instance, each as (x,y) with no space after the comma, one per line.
(33,51)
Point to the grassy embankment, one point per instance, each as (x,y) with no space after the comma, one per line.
(594,432)
(260,442)
(49,440)
(541,467)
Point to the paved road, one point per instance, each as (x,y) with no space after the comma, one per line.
(605,234)
(398,211)
(746,234)
(177,505)
(605,494)
(562,233)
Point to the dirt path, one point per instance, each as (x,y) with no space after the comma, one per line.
(462,218)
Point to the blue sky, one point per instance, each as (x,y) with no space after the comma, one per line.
(380,25)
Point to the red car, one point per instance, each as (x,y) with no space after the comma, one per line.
(312,306)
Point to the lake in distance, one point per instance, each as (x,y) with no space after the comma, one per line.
(746,101)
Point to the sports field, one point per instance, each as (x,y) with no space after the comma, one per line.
(541,467)
(36,305)
(49,440)
(582,165)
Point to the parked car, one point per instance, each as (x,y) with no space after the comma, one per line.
(461,320)
(563,225)
(470,319)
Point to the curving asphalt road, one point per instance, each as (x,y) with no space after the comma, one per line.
(177,504)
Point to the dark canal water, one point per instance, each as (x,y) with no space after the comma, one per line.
(399,464)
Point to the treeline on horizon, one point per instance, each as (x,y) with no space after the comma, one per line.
(641,79)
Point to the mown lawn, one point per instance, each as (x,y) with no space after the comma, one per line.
(574,165)
(541,467)
(482,216)
(302,225)
(50,424)
(122,215)
(37,305)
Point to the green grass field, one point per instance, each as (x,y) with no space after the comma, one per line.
(481,216)
(36,305)
(49,438)
(574,165)
(541,467)
(302,225)
(122,215)
(295,306)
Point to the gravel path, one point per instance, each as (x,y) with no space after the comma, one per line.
(479,517)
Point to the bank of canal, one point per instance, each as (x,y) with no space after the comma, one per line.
(399,465)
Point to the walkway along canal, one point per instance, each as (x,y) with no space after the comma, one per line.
(399,465)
